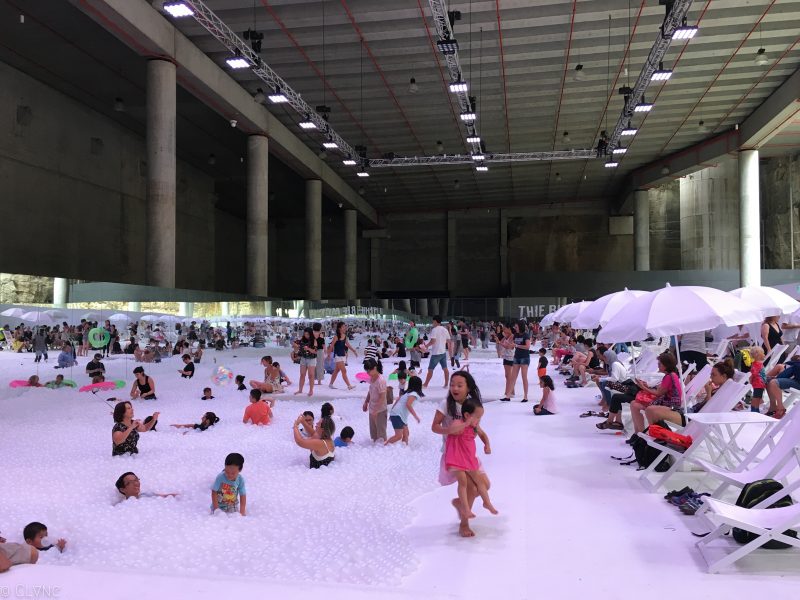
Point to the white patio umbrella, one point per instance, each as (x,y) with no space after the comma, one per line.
(56,313)
(677,310)
(569,312)
(168,319)
(772,302)
(548,319)
(119,318)
(603,309)
(38,317)
(149,318)
(13,312)
(92,315)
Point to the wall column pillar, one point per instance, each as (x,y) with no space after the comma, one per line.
(749,219)
(257,215)
(641,230)
(313,239)
(350,254)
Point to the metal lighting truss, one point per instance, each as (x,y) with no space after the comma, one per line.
(495,158)
(672,21)
(217,27)
(442,22)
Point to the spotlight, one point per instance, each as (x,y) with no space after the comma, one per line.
(178,9)
(385,190)
(255,38)
(619,151)
(761,58)
(566,137)
(278,97)
(643,107)
(237,63)
(478,157)
(259,96)
(349,162)
(468,117)
(458,86)
(684,32)
(363,171)
(233,122)
(482,168)
(119,105)
(629,130)
(307,124)
(612,164)
(413,88)
(449,46)
(661,74)
(330,144)
(473,139)
(579,74)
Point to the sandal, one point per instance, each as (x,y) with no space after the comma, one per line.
(779,414)
(686,490)
(591,413)
(604,425)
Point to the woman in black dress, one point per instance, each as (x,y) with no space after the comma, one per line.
(125,433)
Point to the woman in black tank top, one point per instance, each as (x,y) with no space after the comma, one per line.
(144,386)
(771,333)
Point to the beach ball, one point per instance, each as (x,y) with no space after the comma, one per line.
(222,376)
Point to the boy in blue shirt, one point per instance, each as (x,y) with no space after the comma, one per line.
(228,492)
(345,439)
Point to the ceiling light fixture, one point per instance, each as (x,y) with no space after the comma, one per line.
(473,139)
(468,117)
(413,88)
(178,9)
(349,162)
(330,145)
(629,130)
(307,124)
(612,164)
(456,184)
(619,150)
(278,97)
(579,74)
(362,174)
(643,106)
(439,147)
(237,63)
(259,96)
(761,58)
(458,86)
(685,32)
(482,168)
(478,157)
(702,127)
(448,46)
(558,177)
(665,170)
(661,74)
(566,137)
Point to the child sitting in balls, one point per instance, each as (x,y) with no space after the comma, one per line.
(345,438)
(207,394)
(228,492)
(188,367)
(259,411)
(240,383)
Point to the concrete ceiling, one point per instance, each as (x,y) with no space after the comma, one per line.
(520,67)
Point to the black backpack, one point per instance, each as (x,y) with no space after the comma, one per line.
(752,494)
(644,454)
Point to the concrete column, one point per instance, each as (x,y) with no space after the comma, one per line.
(161,162)
(385,304)
(224,308)
(350,254)
(445,307)
(268,308)
(60,292)
(257,215)
(501,307)
(433,306)
(313,239)
(452,274)
(641,230)
(134,306)
(504,287)
(374,265)
(186,309)
(749,219)
(407,305)
(422,307)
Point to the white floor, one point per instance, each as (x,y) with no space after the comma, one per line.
(572,523)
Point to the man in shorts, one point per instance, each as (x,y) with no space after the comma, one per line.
(439,347)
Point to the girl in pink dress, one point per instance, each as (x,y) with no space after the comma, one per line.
(461,459)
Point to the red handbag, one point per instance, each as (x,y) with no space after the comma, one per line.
(645,397)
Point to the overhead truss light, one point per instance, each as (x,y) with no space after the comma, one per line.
(349,162)
(661,74)
(629,130)
(612,164)
(478,157)
(363,173)
(278,97)
(473,139)
(619,150)
(468,117)
(330,145)
(685,32)
(237,63)
(643,106)
(178,9)
(458,86)
(307,124)
(482,168)
(448,46)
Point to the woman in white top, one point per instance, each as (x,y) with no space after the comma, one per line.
(547,405)
(404,406)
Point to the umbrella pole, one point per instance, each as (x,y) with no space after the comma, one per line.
(680,375)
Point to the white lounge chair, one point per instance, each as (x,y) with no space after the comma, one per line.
(695,386)
(781,459)
(766,523)
(774,356)
(722,401)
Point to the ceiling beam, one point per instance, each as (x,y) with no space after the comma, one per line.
(774,114)
(140,26)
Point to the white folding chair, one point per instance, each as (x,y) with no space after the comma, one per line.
(766,524)
(695,386)
(723,400)
(782,458)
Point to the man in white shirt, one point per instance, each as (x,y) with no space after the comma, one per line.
(438,345)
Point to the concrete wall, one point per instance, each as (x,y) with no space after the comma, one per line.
(477,256)
(780,212)
(415,255)
(710,217)
(665,234)
(72,184)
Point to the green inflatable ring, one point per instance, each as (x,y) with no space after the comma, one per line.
(120,383)
(99,337)
(411,337)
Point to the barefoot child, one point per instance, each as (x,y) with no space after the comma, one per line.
(461,458)
(228,493)
(398,416)
(402,376)
(547,405)
(758,378)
